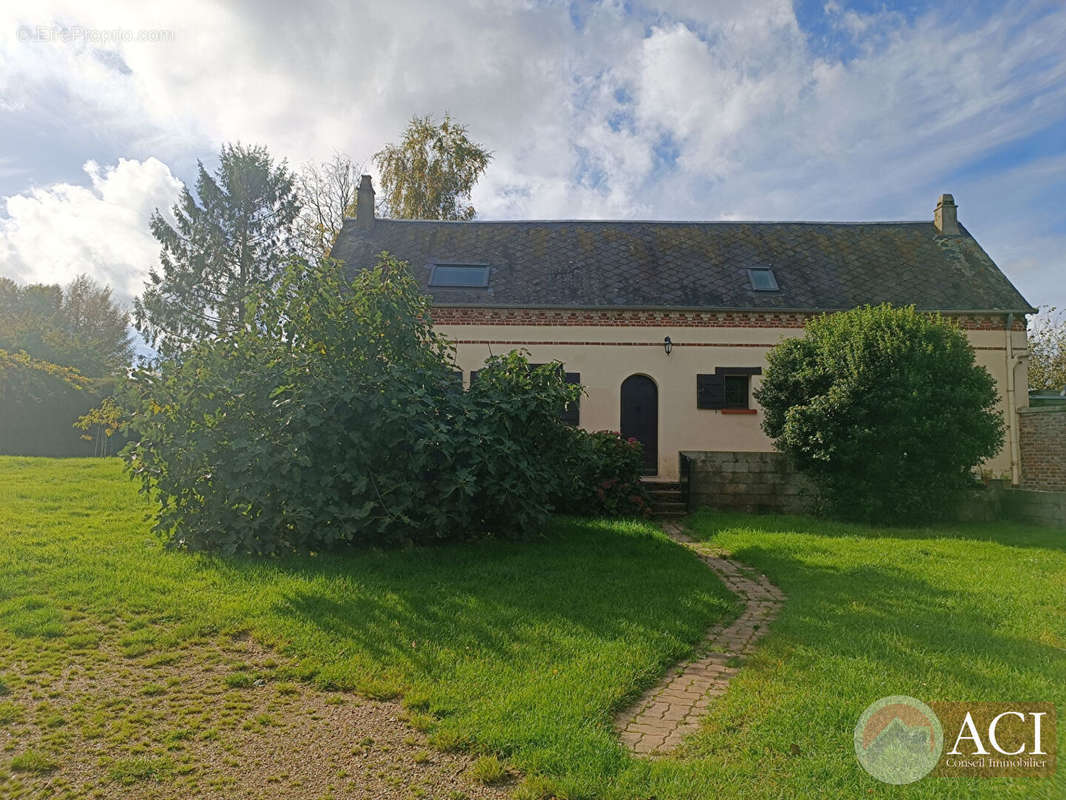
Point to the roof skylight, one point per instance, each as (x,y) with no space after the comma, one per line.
(763,280)
(459,275)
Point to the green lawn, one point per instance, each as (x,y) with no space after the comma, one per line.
(526,649)
(522,649)
(953,613)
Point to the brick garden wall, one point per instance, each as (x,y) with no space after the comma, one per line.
(1042,436)
(741,481)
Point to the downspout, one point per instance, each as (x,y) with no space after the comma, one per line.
(1012,407)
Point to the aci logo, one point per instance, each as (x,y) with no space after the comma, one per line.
(899,739)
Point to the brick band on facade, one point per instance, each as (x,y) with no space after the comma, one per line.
(641,318)
(556,342)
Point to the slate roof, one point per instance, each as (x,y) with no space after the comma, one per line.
(819,266)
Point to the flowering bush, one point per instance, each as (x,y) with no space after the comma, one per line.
(601,476)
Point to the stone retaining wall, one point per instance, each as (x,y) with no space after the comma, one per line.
(766,483)
(999,501)
(1041,508)
(745,481)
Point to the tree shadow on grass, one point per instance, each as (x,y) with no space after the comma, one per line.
(907,625)
(852,632)
(706,524)
(918,610)
(423,613)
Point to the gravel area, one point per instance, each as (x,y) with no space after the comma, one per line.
(210,719)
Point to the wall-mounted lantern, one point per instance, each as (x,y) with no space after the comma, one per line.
(668,345)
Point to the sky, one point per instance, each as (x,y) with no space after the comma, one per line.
(680,109)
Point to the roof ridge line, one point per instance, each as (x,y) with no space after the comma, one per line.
(647,222)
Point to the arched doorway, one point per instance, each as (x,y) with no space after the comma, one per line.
(640,417)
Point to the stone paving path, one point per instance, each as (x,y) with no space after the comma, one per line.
(666,713)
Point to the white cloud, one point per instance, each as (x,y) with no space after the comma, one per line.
(792,135)
(52,234)
(685,109)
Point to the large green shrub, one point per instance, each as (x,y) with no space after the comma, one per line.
(884,408)
(339,418)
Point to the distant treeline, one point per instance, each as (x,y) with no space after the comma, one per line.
(63,351)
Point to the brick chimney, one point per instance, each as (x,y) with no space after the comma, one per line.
(946,216)
(364,203)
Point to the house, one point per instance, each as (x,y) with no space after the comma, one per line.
(667,324)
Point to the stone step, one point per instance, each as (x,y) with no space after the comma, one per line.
(667,514)
(659,506)
(666,498)
(664,491)
(669,495)
(653,486)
